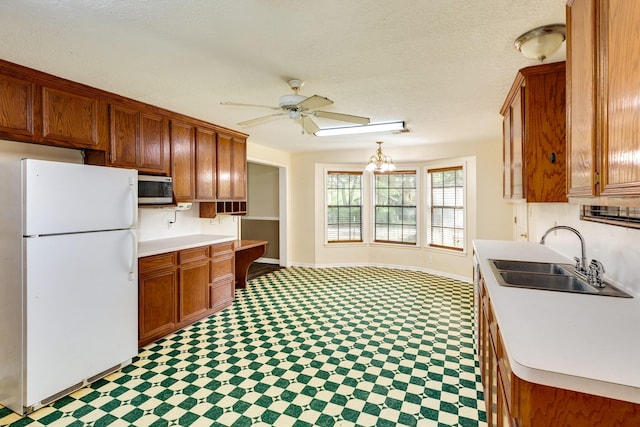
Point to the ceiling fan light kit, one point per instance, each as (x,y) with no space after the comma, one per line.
(301,109)
(364,128)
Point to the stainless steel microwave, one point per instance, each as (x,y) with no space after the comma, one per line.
(155,190)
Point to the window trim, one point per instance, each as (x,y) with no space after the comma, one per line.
(343,171)
(446,166)
(405,171)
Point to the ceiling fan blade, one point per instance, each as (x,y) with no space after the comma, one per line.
(309,125)
(342,117)
(313,102)
(237,104)
(260,119)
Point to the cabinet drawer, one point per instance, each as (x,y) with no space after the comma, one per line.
(222,267)
(193,254)
(221,249)
(158,262)
(222,293)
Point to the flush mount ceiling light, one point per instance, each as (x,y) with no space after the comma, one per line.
(380,162)
(541,42)
(372,127)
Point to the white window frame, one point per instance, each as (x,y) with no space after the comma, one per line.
(363,206)
(427,205)
(372,210)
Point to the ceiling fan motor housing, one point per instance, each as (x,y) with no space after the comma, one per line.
(290,102)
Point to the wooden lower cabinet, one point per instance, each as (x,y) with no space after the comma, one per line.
(193,297)
(222,288)
(157,291)
(178,288)
(513,402)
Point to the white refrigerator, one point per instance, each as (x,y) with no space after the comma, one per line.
(68,301)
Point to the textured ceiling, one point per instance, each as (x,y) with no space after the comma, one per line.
(443,66)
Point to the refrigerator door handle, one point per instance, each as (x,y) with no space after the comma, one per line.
(133,186)
(134,254)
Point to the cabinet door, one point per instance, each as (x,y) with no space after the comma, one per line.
(124,131)
(619,47)
(205,165)
(517,190)
(153,144)
(506,155)
(239,169)
(581,98)
(544,149)
(194,291)
(182,160)
(16,108)
(157,305)
(70,118)
(224,167)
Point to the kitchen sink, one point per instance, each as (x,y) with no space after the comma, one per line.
(533,267)
(548,276)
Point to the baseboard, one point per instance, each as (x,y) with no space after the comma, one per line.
(268,261)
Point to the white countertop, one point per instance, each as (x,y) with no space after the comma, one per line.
(579,342)
(154,247)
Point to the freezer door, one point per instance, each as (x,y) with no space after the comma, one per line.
(81,308)
(69,197)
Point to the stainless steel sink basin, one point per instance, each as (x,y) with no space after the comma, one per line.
(533,267)
(548,276)
(551,282)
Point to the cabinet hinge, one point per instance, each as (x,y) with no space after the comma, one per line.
(596,178)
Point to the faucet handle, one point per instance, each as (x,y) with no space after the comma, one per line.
(578,265)
(595,273)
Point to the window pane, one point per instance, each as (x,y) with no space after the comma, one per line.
(395,210)
(437,196)
(344,213)
(446,225)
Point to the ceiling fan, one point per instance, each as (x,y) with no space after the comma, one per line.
(301,109)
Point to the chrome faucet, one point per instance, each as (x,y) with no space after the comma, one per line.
(581,264)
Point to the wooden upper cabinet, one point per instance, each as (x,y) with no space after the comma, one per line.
(72,118)
(231,168)
(138,140)
(603,83)
(16,108)
(534,139)
(205,162)
(193,159)
(183,160)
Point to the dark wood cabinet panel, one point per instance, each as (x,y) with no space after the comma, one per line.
(183,160)
(124,131)
(205,163)
(180,287)
(534,138)
(70,118)
(138,140)
(222,275)
(16,108)
(603,78)
(153,144)
(193,299)
(157,290)
(231,168)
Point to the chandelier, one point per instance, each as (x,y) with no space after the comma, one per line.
(380,162)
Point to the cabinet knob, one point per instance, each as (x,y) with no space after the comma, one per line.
(525,235)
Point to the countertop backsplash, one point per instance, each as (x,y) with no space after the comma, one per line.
(153,223)
(612,245)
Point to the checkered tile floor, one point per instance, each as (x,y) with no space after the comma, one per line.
(302,347)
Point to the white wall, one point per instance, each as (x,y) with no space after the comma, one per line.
(616,247)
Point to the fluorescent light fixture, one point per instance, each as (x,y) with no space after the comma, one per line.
(372,127)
